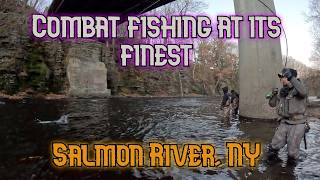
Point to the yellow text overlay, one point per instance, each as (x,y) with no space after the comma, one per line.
(154,154)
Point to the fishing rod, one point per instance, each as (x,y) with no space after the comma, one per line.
(284,32)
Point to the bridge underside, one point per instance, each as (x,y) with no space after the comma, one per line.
(121,7)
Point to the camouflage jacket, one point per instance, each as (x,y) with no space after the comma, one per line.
(292,107)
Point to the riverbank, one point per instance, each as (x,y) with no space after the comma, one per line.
(24,95)
(52,96)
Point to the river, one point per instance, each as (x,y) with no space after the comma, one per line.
(25,142)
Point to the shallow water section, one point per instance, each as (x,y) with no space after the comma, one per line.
(28,127)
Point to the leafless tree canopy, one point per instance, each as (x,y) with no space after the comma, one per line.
(314,18)
(24,6)
(181,7)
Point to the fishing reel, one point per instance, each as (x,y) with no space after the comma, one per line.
(274,92)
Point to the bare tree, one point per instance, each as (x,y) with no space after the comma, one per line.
(180,7)
(314,18)
(217,64)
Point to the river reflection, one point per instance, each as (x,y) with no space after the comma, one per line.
(25,142)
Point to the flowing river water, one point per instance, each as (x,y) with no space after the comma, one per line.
(25,143)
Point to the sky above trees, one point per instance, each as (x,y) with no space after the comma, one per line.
(294,19)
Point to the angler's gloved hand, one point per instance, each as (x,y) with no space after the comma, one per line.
(284,92)
(286,72)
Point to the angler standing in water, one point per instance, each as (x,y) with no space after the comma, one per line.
(225,102)
(234,102)
(291,106)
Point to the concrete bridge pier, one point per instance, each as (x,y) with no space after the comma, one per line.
(260,61)
(86,71)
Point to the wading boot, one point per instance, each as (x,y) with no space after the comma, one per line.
(272,156)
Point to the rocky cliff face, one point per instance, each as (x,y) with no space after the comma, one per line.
(12,51)
(78,69)
(25,64)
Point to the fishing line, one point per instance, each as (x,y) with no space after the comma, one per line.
(145,9)
(284,32)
